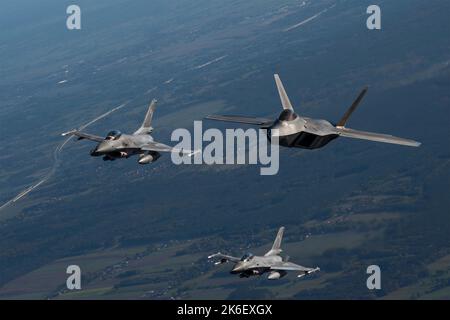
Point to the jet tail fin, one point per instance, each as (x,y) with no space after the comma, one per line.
(276,244)
(285,102)
(352,108)
(146,125)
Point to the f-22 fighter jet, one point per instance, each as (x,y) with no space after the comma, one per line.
(117,145)
(295,131)
(271,262)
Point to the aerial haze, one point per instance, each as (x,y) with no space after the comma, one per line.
(145,232)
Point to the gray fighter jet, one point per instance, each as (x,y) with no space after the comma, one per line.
(301,132)
(117,145)
(271,262)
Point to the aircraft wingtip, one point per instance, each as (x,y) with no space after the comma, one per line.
(68,132)
(194,153)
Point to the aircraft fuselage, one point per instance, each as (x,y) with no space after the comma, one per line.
(256,265)
(123,147)
(303,133)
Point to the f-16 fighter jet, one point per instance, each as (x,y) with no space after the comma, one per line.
(294,130)
(271,263)
(117,145)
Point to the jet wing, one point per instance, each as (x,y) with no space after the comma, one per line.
(223,257)
(372,136)
(161,147)
(82,135)
(240,119)
(289,266)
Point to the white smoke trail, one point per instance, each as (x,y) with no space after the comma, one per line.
(56,161)
(309,19)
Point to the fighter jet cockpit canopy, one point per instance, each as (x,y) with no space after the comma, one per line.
(113,135)
(246,257)
(287,115)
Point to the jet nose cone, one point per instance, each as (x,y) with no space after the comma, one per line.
(274,130)
(104,148)
(94,152)
(237,269)
(287,115)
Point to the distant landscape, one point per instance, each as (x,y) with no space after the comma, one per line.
(144,232)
